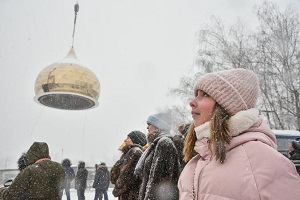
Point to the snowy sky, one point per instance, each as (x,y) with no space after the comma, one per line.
(138,49)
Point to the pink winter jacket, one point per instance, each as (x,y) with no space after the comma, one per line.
(253,168)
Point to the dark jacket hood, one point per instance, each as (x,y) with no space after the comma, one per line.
(66,162)
(37,151)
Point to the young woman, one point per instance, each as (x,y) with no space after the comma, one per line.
(122,173)
(237,156)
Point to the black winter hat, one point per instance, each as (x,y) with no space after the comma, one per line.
(138,137)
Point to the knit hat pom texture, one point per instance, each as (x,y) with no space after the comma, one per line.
(234,89)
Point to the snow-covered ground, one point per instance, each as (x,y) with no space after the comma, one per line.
(89,194)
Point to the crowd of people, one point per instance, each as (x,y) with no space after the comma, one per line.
(227,152)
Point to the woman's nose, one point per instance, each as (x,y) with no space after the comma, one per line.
(192,103)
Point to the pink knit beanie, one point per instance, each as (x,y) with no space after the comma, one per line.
(234,89)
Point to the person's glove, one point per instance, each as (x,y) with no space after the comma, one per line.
(8,183)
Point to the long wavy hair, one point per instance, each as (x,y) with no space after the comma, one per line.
(219,136)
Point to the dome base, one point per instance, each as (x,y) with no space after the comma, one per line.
(66,101)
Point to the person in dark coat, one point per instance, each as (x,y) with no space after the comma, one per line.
(41,179)
(80,180)
(22,162)
(294,151)
(179,143)
(101,182)
(122,173)
(70,175)
(158,167)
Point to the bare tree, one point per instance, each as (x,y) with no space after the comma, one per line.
(277,43)
(272,51)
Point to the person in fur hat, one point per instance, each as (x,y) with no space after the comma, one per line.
(40,179)
(159,168)
(122,173)
(22,162)
(70,175)
(101,182)
(237,156)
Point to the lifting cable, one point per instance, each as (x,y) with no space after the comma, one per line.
(76,9)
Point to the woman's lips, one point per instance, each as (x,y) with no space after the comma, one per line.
(194,113)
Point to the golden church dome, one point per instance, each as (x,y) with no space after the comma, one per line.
(68,85)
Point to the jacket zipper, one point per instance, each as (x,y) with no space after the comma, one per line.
(199,179)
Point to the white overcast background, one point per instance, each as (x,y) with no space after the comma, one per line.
(138,49)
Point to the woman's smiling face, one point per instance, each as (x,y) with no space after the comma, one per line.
(202,107)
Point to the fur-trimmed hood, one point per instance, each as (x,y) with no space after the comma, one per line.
(240,123)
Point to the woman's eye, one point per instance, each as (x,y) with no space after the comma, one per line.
(205,94)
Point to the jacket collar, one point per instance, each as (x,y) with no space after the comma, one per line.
(237,123)
(42,159)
